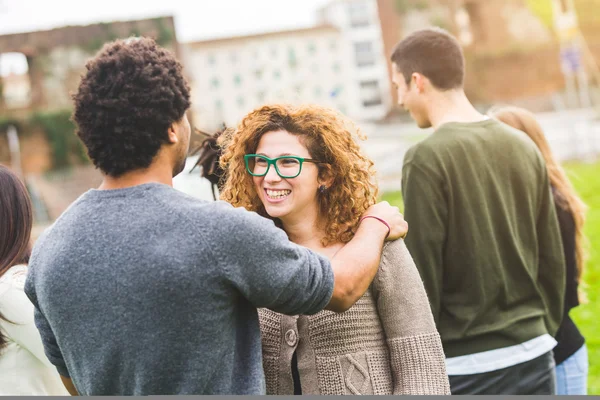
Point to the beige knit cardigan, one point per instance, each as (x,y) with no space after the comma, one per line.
(386,343)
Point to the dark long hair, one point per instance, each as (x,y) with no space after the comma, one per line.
(209,153)
(16,220)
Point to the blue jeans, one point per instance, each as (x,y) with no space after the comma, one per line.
(571,374)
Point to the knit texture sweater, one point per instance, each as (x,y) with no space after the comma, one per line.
(148,291)
(484,235)
(386,343)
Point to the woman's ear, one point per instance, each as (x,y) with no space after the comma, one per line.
(326,176)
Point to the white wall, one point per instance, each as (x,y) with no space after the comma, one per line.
(359,23)
(230,78)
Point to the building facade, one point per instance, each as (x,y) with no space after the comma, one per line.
(339,63)
(232,76)
(359,24)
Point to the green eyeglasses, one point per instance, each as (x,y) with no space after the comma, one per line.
(286,166)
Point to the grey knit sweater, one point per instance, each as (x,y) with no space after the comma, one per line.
(386,343)
(148,291)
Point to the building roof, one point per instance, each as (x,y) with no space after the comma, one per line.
(231,39)
(32,43)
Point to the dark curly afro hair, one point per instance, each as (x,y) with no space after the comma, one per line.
(132,92)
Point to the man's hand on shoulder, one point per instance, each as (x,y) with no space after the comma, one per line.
(391,215)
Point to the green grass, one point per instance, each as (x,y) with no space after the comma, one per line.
(586,179)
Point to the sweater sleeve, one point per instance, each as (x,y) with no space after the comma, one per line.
(552,269)
(269,270)
(51,348)
(416,353)
(425,210)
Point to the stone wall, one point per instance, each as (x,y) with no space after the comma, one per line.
(513,56)
(57,57)
(36,156)
(56,60)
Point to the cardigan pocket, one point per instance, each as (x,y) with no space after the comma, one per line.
(360,373)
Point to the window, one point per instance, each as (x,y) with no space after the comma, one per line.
(211,59)
(218,104)
(292,60)
(237,79)
(318,91)
(234,57)
(370,93)
(336,67)
(359,14)
(260,96)
(277,74)
(15,86)
(312,48)
(214,83)
(364,54)
(258,73)
(335,92)
(463,24)
(240,101)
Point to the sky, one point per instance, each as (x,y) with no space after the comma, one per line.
(194,19)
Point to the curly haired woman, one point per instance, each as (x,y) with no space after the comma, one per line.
(302,168)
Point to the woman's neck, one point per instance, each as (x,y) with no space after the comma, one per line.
(309,233)
(303,231)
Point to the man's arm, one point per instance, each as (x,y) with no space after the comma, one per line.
(356,264)
(69,385)
(426,210)
(51,348)
(552,268)
(270,271)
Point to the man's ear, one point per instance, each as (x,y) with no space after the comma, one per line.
(172,133)
(419,81)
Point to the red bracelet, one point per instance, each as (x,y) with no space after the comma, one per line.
(380,220)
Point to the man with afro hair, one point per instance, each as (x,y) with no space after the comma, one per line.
(140,289)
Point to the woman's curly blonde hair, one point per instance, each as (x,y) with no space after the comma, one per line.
(330,138)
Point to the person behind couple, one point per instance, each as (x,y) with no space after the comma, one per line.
(570,354)
(302,168)
(140,289)
(484,231)
(25,368)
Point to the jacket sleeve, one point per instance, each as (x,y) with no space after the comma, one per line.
(416,353)
(22,330)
